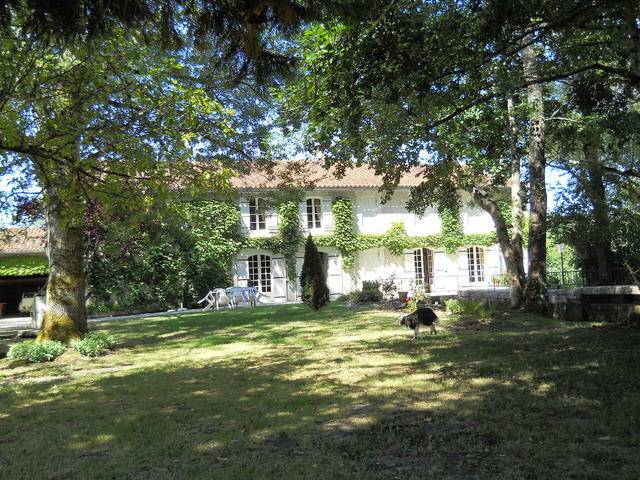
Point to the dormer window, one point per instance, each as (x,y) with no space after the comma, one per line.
(257,214)
(314,213)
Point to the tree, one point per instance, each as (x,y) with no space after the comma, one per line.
(113,122)
(313,281)
(398,84)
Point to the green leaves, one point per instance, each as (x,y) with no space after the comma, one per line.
(344,234)
(23,265)
(289,235)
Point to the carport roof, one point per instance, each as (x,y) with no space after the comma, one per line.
(19,241)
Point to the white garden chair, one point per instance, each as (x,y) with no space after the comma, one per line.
(252,295)
(215,298)
(236,296)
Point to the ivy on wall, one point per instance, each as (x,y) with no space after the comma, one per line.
(290,236)
(452,234)
(344,234)
(396,240)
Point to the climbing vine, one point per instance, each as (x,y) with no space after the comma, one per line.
(396,240)
(344,235)
(345,238)
(290,236)
(452,235)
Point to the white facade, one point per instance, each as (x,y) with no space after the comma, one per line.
(446,272)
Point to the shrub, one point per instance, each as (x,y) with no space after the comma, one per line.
(93,344)
(467,307)
(315,292)
(388,287)
(347,297)
(454,306)
(420,299)
(370,292)
(36,352)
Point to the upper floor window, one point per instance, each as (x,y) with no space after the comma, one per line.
(314,213)
(475,261)
(257,214)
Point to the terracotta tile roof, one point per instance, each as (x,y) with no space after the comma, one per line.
(313,175)
(23,240)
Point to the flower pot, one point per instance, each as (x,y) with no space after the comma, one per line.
(402,296)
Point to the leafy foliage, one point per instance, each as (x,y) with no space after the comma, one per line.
(451,229)
(172,259)
(289,235)
(37,352)
(467,307)
(93,344)
(370,292)
(313,283)
(345,236)
(23,265)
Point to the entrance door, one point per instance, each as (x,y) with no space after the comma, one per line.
(423,262)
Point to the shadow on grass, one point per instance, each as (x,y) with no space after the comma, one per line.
(527,401)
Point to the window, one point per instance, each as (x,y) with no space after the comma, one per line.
(423,263)
(314,213)
(257,214)
(475,261)
(260,272)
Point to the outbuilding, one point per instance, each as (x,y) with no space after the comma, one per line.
(23,266)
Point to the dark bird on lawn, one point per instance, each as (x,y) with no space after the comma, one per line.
(422,316)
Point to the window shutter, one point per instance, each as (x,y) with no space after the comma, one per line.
(492,259)
(327,217)
(242,271)
(244,215)
(303,215)
(272,219)
(409,264)
(463,267)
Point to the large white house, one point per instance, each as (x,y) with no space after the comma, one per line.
(445,273)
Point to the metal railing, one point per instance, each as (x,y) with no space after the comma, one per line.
(589,278)
(440,284)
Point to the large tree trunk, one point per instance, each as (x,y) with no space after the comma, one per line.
(65,317)
(597,195)
(536,295)
(512,256)
(517,207)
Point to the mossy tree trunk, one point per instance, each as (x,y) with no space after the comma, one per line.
(535,294)
(518,279)
(65,317)
(511,251)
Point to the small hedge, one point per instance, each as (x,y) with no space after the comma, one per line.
(467,307)
(93,344)
(370,293)
(37,352)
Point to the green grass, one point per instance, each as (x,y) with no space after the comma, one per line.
(284,392)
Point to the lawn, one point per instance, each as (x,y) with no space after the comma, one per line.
(283,392)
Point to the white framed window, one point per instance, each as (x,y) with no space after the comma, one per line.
(314,213)
(260,272)
(475,262)
(423,266)
(257,214)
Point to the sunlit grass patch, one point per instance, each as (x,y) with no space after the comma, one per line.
(282,391)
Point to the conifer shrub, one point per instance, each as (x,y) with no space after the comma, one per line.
(313,282)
